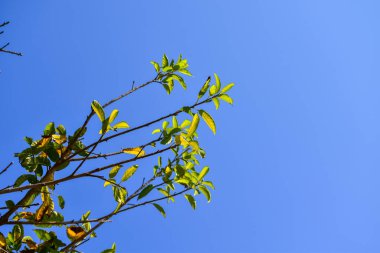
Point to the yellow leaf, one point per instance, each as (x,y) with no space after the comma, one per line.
(59,138)
(43,142)
(3,243)
(138,151)
(129,172)
(194,125)
(121,124)
(75,233)
(209,120)
(32,245)
(113,115)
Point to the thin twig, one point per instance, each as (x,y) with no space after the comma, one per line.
(5,169)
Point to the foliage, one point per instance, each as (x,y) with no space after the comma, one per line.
(58,157)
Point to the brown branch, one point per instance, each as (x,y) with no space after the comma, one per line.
(85,174)
(72,245)
(54,222)
(25,206)
(106,180)
(144,125)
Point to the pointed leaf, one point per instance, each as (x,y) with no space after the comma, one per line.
(194,125)
(61,202)
(203,173)
(138,151)
(165,61)
(98,109)
(160,209)
(191,200)
(129,172)
(209,120)
(227,87)
(226,98)
(145,191)
(205,192)
(204,88)
(121,124)
(114,171)
(113,115)
(156,66)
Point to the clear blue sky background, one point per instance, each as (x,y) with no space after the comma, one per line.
(295,160)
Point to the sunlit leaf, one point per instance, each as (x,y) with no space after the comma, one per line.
(194,125)
(227,87)
(217,82)
(114,171)
(191,200)
(226,98)
(209,120)
(138,151)
(113,115)
(204,88)
(121,124)
(129,172)
(203,173)
(98,109)
(75,233)
(205,192)
(156,66)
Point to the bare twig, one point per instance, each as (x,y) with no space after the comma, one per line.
(5,169)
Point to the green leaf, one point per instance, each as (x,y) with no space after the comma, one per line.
(98,109)
(203,173)
(61,202)
(80,132)
(145,191)
(204,88)
(226,98)
(165,61)
(121,124)
(185,72)
(160,209)
(85,216)
(42,234)
(205,192)
(28,140)
(191,200)
(185,123)
(119,194)
(227,87)
(129,172)
(113,115)
(216,103)
(180,80)
(174,121)
(165,124)
(26,177)
(156,66)
(114,171)
(110,181)
(62,165)
(209,184)
(194,125)
(209,120)
(217,82)
(61,130)
(49,129)
(9,204)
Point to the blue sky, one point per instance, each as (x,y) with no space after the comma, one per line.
(295,160)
